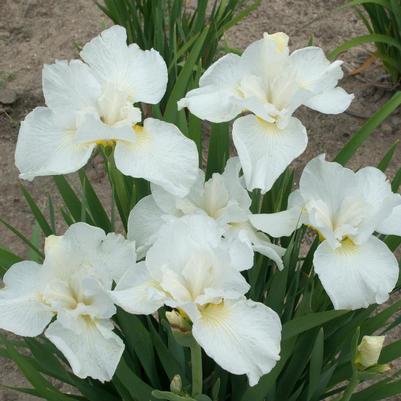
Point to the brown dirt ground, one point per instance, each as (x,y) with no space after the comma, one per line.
(34,32)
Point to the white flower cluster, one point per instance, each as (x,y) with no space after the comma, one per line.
(192,238)
(92,103)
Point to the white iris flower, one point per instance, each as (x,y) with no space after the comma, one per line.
(71,287)
(92,103)
(188,269)
(355,267)
(270,83)
(223,198)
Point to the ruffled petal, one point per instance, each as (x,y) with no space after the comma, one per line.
(142,74)
(87,247)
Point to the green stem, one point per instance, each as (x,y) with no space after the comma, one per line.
(352,385)
(197,374)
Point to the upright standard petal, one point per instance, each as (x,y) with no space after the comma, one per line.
(267,57)
(94,352)
(160,154)
(265,151)
(356,276)
(218,98)
(242,336)
(326,181)
(144,222)
(21,309)
(142,74)
(46,145)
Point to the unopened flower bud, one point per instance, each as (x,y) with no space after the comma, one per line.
(178,322)
(176,384)
(369,351)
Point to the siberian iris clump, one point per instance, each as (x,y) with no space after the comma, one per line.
(209,294)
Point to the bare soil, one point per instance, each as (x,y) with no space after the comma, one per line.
(34,32)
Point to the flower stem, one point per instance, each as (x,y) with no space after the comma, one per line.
(352,385)
(197,374)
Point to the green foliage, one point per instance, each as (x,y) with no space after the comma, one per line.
(382,18)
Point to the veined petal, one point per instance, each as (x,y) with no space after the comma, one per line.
(144,222)
(137,292)
(47,145)
(217,99)
(356,276)
(21,309)
(94,352)
(160,154)
(142,74)
(265,150)
(70,86)
(242,336)
(333,101)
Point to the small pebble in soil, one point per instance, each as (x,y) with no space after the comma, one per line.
(10,396)
(386,129)
(7,96)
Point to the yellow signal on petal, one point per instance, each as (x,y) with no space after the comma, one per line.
(106,143)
